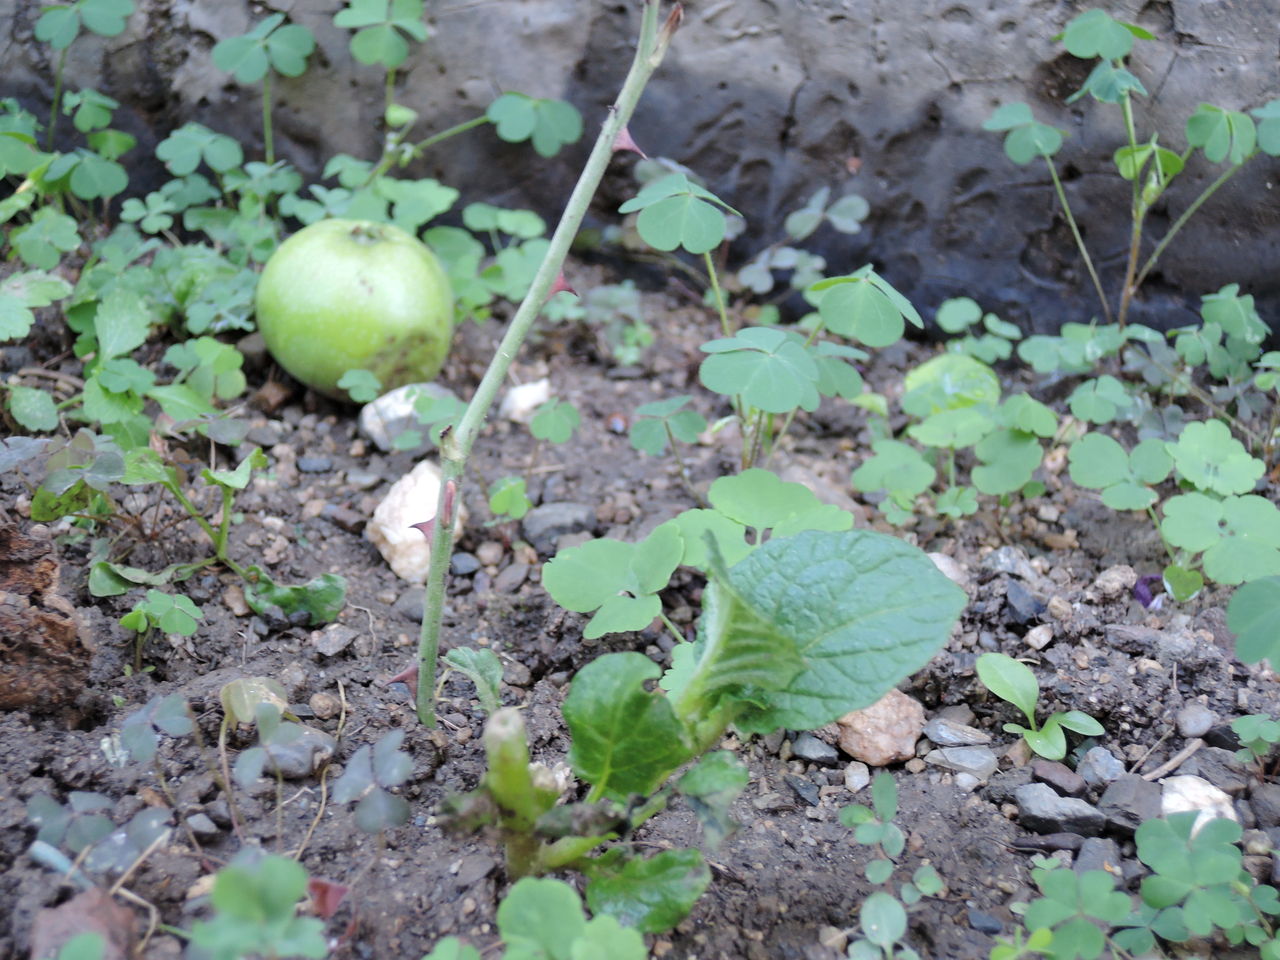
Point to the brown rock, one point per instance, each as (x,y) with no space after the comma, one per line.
(44,648)
(884,732)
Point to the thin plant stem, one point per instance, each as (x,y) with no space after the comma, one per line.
(455,445)
(682,464)
(56,106)
(1075,232)
(390,92)
(1155,521)
(717,294)
(672,627)
(1181,222)
(268,142)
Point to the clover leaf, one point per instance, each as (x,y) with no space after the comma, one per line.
(1239,536)
(767,368)
(1100,400)
(42,241)
(1095,33)
(864,306)
(654,423)
(1208,456)
(268,46)
(1009,458)
(950,381)
(897,468)
(1269,127)
(676,212)
(1222,134)
(619,581)
(184,149)
(381,28)
(547,124)
(1125,478)
(1026,138)
(59,24)
(555,420)
(20,293)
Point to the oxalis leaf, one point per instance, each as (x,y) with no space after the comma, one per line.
(1252,615)
(321,597)
(860,609)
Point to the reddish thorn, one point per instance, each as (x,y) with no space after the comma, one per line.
(560,286)
(425,527)
(407,676)
(326,896)
(624,141)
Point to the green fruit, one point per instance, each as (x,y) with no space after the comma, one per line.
(345,295)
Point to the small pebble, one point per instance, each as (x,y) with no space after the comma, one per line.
(489,553)
(325,705)
(1195,720)
(464,564)
(856,776)
(509,580)
(808,747)
(203,827)
(313,464)
(1039,637)
(1099,767)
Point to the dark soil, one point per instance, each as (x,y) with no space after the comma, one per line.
(788,883)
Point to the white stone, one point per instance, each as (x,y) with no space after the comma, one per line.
(1115,580)
(884,732)
(392,413)
(520,401)
(856,776)
(1039,637)
(1185,793)
(411,499)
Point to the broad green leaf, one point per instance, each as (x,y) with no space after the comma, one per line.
(547,124)
(675,212)
(1100,400)
(1009,458)
(1253,614)
(1269,127)
(651,895)
(862,609)
(958,314)
(758,499)
(896,467)
(860,311)
(949,382)
(604,936)
(42,241)
(19,293)
(625,738)
(883,919)
(482,667)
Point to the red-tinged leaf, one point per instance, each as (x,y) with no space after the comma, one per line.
(624,141)
(326,896)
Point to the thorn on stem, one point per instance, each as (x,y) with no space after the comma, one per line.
(560,286)
(624,141)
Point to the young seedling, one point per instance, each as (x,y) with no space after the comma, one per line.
(370,776)
(482,667)
(1259,733)
(166,612)
(883,915)
(1013,681)
(255,902)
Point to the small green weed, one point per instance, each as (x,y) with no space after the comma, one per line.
(1013,681)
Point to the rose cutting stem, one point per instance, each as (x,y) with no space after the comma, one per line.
(455,445)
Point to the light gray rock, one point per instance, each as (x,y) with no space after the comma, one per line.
(1012,561)
(1098,853)
(1099,767)
(948,733)
(1041,810)
(808,747)
(1195,720)
(980,762)
(302,756)
(856,776)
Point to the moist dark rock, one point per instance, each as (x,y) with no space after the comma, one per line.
(1003,786)
(1099,766)
(1059,776)
(1049,841)
(1265,800)
(1020,606)
(806,790)
(543,525)
(1040,809)
(1221,735)
(984,922)
(1128,802)
(808,747)
(344,517)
